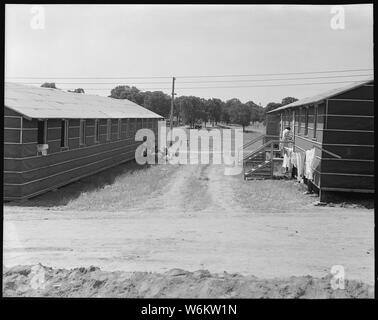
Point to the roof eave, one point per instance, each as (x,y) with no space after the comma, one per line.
(323,99)
(17,111)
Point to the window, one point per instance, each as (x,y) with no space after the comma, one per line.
(299,120)
(128,133)
(64,134)
(97,131)
(286,119)
(82,132)
(315,120)
(306,122)
(42,132)
(108,129)
(119,128)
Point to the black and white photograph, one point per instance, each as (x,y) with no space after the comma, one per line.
(170,151)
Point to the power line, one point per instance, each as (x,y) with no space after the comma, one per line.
(198,76)
(229,87)
(280,79)
(274,74)
(211,81)
(272,85)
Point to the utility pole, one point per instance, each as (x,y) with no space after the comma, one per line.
(172,102)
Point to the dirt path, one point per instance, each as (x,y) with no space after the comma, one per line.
(198,221)
(264,245)
(196,188)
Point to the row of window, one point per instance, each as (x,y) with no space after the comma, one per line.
(42,131)
(303,120)
(305,127)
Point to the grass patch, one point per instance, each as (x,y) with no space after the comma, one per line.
(271,194)
(113,189)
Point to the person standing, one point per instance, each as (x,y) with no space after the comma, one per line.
(285,140)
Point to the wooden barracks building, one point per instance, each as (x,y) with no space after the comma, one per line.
(52,137)
(340,125)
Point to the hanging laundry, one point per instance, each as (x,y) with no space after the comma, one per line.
(286,163)
(309,170)
(293,159)
(300,165)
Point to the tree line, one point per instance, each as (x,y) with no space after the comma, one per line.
(190,110)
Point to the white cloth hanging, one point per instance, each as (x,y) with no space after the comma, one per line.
(300,165)
(286,163)
(293,159)
(309,170)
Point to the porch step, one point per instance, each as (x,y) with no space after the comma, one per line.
(261,171)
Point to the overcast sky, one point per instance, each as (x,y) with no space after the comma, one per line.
(162,40)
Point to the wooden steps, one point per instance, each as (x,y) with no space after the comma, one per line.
(258,164)
(261,171)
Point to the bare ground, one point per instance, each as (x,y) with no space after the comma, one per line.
(175,283)
(136,221)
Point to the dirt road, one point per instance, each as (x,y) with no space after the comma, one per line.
(200,219)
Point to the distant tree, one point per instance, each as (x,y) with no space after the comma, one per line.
(271,106)
(158,102)
(239,112)
(191,109)
(256,111)
(225,113)
(49,85)
(203,112)
(214,109)
(288,100)
(126,92)
(78,90)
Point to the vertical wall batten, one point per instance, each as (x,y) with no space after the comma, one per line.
(21,127)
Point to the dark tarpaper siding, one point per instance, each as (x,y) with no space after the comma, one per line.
(27,174)
(349,133)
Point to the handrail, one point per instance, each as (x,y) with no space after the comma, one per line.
(252,141)
(270,142)
(256,151)
(259,148)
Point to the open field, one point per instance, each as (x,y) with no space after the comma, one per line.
(191,217)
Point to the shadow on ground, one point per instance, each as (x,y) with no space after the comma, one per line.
(351,200)
(63,195)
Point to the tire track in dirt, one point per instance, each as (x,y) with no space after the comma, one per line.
(186,191)
(196,188)
(222,188)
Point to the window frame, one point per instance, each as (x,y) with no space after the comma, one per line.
(119,132)
(64,129)
(97,131)
(108,129)
(44,137)
(83,133)
(315,121)
(306,121)
(299,120)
